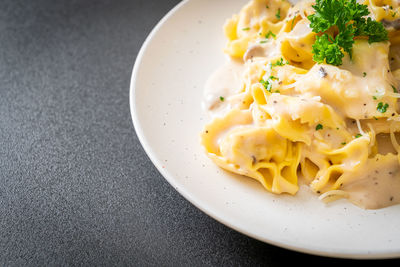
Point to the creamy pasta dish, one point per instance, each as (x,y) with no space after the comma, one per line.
(310,96)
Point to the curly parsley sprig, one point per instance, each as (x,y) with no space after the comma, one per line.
(347,18)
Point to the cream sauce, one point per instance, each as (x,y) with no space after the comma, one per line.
(394,57)
(293,107)
(270,49)
(365,81)
(385,145)
(377,185)
(225,82)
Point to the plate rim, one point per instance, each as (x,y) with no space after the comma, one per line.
(197,202)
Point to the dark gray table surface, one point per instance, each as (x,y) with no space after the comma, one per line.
(76,187)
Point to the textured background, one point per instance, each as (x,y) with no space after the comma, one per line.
(76,187)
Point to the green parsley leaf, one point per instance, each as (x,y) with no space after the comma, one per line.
(394,89)
(319,127)
(221,98)
(324,16)
(364,74)
(246,29)
(358,135)
(345,39)
(343,143)
(375,30)
(382,107)
(348,17)
(324,50)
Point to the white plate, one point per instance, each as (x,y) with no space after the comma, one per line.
(165,98)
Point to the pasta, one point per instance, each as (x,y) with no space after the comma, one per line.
(282,115)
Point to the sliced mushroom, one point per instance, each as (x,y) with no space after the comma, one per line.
(254,50)
(395,24)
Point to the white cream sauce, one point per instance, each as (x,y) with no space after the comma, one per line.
(385,145)
(377,185)
(225,82)
(394,57)
(271,49)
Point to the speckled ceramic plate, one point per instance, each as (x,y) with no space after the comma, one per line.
(165,98)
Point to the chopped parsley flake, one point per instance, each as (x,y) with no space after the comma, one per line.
(221,98)
(246,29)
(268,83)
(382,107)
(291,27)
(375,118)
(279,63)
(343,143)
(319,127)
(263,42)
(364,74)
(269,34)
(358,135)
(348,17)
(374,98)
(394,89)
(278,14)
